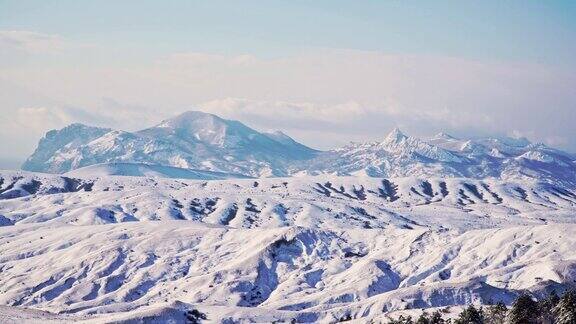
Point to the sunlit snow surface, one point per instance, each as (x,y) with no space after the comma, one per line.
(314,249)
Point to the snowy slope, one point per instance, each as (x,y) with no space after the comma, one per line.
(320,202)
(287,272)
(313,249)
(148,170)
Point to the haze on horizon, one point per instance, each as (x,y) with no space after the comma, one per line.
(324,72)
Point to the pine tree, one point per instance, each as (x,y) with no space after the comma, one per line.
(524,311)
(496,314)
(401,320)
(437,318)
(470,315)
(565,311)
(195,316)
(423,319)
(546,307)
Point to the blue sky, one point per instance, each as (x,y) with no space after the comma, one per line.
(542,31)
(323,71)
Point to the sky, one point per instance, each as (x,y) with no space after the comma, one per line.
(324,72)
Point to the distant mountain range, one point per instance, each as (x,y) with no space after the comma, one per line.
(200,142)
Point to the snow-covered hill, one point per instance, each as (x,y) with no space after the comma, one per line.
(325,202)
(313,248)
(201,141)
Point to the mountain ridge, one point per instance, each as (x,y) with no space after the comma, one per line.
(205,142)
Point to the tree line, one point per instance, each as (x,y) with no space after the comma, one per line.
(525,310)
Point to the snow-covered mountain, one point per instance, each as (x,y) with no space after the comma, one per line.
(55,150)
(193,140)
(304,249)
(205,142)
(445,156)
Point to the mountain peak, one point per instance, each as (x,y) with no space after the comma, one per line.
(278,133)
(70,137)
(75,127)
(279,136)
(395,136)
(188,118)
(443,135)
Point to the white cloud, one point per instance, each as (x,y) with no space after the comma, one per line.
(38,118)
(343,94)
(21,128)
(31,42)
(285,111)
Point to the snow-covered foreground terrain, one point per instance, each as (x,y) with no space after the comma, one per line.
(313,249)
(322,202)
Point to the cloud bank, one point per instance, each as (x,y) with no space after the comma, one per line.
(323,97)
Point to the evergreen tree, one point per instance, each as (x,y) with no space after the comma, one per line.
(524,311)
(565,310)
(496,314)
(423,319)
(437,318)
(546,307)
(470,315)
(195,316)
(401,320)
